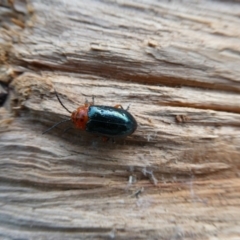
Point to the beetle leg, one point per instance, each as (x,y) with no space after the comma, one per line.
(92,103)
(105,139)
(118,106)
(128,107)
(67,129)
(86,103)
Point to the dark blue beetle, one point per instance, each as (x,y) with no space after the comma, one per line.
(109,122)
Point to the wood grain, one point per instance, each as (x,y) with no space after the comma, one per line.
(177,64)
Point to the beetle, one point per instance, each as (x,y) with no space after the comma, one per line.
(105,121)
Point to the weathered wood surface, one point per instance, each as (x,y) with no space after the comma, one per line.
(177,63)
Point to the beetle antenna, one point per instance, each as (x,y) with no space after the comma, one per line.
(55,125)
(61,101)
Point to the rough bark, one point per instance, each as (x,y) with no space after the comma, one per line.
(176,63)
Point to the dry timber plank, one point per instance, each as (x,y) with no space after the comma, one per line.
(177,176)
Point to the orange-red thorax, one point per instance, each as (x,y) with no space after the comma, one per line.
(80,117)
